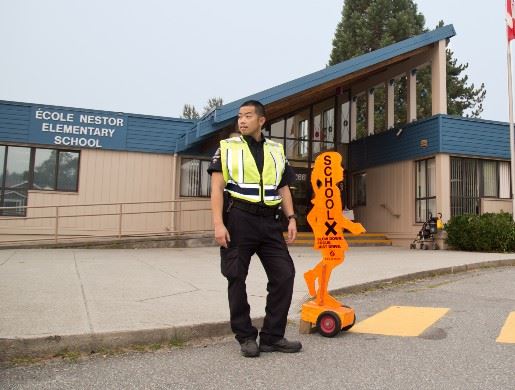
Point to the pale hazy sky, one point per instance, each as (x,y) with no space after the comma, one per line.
(151,57)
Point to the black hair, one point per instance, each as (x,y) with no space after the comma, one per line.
(260,109)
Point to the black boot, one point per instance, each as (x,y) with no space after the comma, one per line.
(249,348)
(281,345)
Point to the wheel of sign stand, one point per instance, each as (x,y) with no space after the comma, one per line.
(329,324)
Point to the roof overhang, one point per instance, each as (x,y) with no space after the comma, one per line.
(316,86)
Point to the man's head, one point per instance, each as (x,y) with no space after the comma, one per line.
(251,118)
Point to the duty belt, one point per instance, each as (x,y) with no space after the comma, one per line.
(255,209)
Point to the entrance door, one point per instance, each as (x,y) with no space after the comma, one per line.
(301,193)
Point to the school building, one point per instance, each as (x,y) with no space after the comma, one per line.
(73,173)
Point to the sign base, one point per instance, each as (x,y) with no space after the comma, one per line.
(328,320)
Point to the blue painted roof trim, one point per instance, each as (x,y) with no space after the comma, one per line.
(226,113)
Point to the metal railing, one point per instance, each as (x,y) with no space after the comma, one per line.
(21,229)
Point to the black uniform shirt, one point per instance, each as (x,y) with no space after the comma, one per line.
(256,148)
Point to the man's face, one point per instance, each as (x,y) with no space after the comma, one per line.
(249,122)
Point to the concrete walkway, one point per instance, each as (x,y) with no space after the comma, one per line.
(87,299)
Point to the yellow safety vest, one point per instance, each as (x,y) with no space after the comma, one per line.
(241,175)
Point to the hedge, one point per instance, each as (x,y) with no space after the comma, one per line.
(482,233)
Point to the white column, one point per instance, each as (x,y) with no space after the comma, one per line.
(370,111)
(390,104)
(439,79)
(353,115)
(443,186)
(412,96)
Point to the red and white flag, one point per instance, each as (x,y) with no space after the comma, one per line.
(510,22)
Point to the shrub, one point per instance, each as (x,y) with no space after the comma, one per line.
(485,233)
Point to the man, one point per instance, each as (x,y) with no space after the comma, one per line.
(255,173)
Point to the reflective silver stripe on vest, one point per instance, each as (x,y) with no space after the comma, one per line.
(276,170)
(229,162)
(240,167)
(243,185)
(241,164)
(273,188)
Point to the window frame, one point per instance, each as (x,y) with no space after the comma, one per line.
(479,177)
(57,165)
(356,199)
(201,172)
(425,198)
(30,175)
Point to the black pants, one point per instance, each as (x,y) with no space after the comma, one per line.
(262,235)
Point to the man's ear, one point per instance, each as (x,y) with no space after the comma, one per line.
(262,121)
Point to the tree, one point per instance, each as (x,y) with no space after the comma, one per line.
(214,102)
(190,112)
(368,25)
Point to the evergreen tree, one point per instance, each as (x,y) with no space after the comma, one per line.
(212,103)
(368,25)
(189,112)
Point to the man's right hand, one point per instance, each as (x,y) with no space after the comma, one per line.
(222,236)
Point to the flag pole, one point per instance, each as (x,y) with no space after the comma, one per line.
(512,151)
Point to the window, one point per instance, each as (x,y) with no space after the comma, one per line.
(15,179)
(25,168)
(425,195)
(296,136)
(490,178)
(361,116)
(297,148)
(504,180)
(55,170)
(359,193)
(195,181)
(328,125)
(400,103)
(424,92)
(345,124)
(277,129)
(379,108)
(473,179)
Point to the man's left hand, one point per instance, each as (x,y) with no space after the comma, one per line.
(292,230)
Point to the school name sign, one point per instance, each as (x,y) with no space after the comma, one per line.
(78,129)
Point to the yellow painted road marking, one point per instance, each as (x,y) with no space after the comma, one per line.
(507,334)
(400,321)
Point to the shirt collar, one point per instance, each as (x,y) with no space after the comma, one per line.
(251,141)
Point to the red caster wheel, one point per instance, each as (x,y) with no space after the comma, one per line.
(329,324)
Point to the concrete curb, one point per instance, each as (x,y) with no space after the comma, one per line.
(143,242)
(89,343)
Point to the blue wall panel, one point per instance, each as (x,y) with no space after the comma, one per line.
(155,135)
(444,134)
(49,125)
(475,137)
(14,123)
(387,147)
